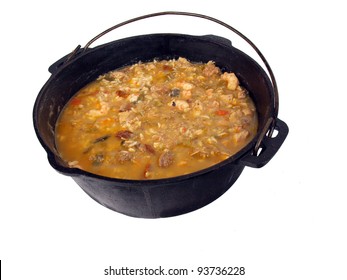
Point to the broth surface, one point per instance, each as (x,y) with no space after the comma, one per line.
(156,120)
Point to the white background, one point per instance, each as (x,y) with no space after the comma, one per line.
(286,220)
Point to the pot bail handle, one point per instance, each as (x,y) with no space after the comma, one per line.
(269,129)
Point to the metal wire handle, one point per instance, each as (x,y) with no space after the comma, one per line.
(271,123)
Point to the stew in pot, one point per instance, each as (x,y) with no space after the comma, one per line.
(156,120)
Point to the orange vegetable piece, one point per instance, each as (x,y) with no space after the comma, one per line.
(222,112)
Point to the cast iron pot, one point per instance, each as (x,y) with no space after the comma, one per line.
(171,196)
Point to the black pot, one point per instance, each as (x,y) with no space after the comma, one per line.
(171,196)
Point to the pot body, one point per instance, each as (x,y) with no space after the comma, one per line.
(164,197)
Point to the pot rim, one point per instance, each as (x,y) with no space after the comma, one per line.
(70,171)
